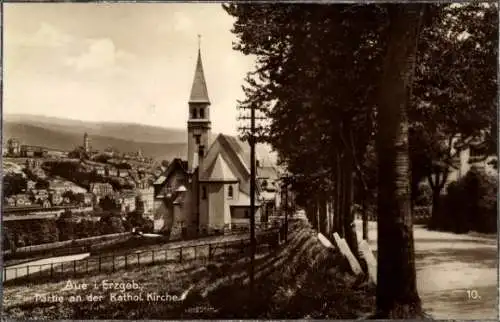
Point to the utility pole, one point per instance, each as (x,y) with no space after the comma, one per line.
(253,243)
(251,135)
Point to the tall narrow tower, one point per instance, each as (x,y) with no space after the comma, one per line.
(199,117)
(86,142)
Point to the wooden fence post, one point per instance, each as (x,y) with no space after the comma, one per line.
(194,252)
(16,272)
(113,263)
(138,259)
(180,254)
(74,268)
(27,271)
(51,269)
(126,261)
(153,256)
(209,252)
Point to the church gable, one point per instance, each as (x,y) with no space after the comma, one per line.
(229,157)
(219,171)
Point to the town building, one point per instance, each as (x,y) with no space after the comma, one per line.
(21,200)
(210,192)
(111,172)
(86,143)
(145,200)
(101,190)
(30,185)
(30,151)
(122,173)
(85,198)
(56,198)
(39,195)
(13,147)
(33,163)
(126,201)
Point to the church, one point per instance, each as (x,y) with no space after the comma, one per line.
(209,192)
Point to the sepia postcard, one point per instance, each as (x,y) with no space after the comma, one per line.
(261,161)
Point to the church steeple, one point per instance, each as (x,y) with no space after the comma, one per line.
(199,92)
(199,125)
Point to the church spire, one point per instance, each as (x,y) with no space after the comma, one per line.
(199,92)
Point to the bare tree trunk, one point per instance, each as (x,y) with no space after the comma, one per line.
(364,214)
(397,295)
(341,196)
(348,214)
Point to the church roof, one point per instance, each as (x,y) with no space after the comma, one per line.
(199,92)
(219,171)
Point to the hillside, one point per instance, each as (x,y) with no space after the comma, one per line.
(65,134)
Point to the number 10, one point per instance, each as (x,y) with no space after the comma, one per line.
(473,295)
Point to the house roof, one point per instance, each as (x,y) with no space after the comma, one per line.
(267,196)
(199,92)
(243,201)
(219,171)
(160,180)
(172,166)
(268,172)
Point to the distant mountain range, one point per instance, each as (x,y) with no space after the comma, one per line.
(66,134)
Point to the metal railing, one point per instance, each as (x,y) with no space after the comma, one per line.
(204,252)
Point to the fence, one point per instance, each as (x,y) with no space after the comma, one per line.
(111,263)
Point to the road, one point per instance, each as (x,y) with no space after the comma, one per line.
(456,274)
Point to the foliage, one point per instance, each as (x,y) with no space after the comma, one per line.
(135,219)
(111,223)
(470,204)
(13,183)
(423,195)
(455,90)
(107,203)
(66,225)
(78,153)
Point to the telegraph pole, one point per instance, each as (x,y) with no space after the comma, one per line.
(251,134)
(253,242)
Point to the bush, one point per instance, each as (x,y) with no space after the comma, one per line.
(424,196)
(470,204)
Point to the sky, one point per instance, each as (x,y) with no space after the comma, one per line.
(121,62)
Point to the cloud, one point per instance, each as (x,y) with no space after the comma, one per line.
(46,36)
(100,54)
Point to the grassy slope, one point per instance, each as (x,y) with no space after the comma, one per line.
(300,280)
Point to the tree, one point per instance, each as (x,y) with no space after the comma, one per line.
(42,184)
(397,295)
(107,203)
(66,226)
(13,183)
(455,91)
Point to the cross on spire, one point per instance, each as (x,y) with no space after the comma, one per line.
(199,93)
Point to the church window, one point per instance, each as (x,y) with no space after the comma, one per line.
(202,113)
(193,113)
(197,138)
(230,192)
(204,193)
